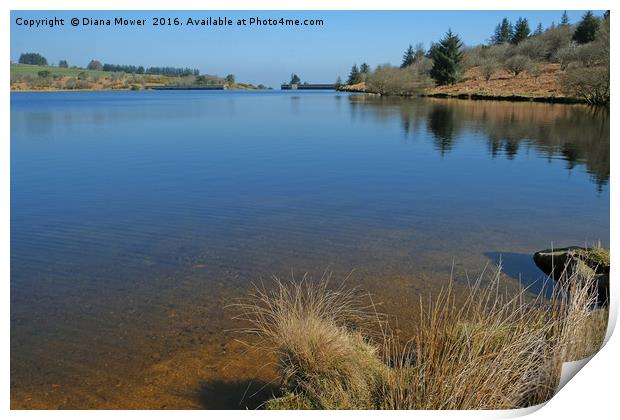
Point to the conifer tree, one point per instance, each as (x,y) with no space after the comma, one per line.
(446,56)
(521,31)
(32,58)
(408,57)
(538,31)
(586,29)
(503,32)
(354,76)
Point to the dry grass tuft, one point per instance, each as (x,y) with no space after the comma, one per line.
(497,350)
(313,329)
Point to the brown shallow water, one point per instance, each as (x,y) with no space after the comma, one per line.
(138,218)
(184,356)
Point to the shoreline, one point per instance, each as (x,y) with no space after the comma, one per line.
(440,95)
(120,90)
(508,98)
(480,96)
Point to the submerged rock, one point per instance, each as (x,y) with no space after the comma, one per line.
(587,261)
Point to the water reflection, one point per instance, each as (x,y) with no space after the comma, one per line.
(442,124)
(576,134)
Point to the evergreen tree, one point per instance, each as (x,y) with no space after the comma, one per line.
(446,56)
(338,82)
(295,79)
(586,29)
(32,58)
(521,31)
(364,68)
(538,31)
(408,57)
(164,71)
(230,79)
(63,64)
(503,32)
(354,76)
(564,21)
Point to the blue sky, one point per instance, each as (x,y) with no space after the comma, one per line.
(265,55)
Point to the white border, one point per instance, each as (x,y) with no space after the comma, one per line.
(593,394)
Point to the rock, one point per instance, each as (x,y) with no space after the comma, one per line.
(574,259)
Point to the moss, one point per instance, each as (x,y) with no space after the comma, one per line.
(597,257)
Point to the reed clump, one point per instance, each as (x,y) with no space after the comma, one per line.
(494,350)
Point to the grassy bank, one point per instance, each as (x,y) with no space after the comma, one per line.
(493,350)
(26,77)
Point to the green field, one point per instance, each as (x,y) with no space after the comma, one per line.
(27,69)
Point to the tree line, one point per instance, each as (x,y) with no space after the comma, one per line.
(126,68)
(506,32)
(40,60)
(33,59)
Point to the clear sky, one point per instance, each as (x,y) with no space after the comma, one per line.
(255,54)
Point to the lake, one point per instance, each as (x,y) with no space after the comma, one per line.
(137,218)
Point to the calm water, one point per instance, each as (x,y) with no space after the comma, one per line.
(137,217)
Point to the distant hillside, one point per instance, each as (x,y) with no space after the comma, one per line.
(26,77)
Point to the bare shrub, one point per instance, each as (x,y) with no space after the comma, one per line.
(70,83)
(117,76)
(83,84)
(536,70)
(488,68)
(565,55)
(533,48)
(589,83)
(517,64)
(587,75)
(473,57)
(410,81)
(499,53)
(591,54)
(552,40)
